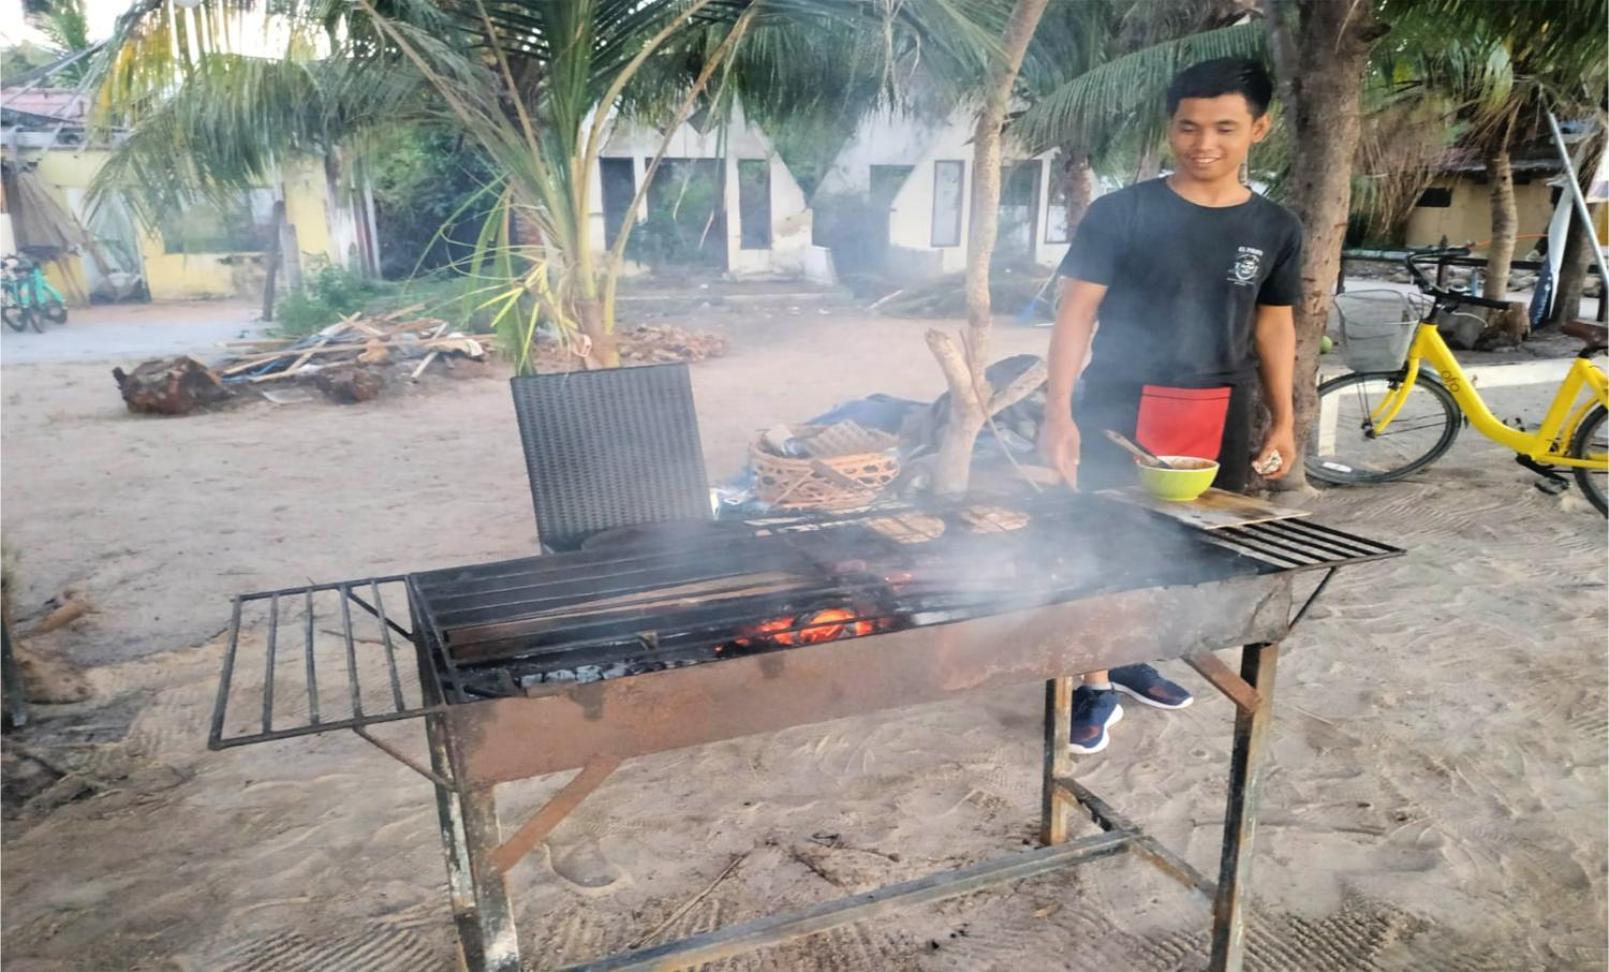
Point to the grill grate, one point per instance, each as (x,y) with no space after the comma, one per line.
(319,665)
(1298,544)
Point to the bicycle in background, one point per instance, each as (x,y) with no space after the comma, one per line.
(1394,416)
(27,299)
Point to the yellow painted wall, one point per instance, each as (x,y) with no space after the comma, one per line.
(1469,218)
(191,276)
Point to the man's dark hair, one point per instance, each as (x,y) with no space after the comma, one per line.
(1222,76)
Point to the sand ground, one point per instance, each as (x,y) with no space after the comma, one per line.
(1434,800)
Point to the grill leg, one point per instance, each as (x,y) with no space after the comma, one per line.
(469,833)
(1055,804)
(1257,664)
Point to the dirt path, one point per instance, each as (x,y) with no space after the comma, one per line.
(1435,801)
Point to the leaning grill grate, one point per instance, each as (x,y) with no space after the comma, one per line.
(319,664)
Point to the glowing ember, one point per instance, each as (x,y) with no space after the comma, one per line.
(832,624)
(828,624)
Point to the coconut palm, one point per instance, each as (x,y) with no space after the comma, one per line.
(1500,68)
(537,85)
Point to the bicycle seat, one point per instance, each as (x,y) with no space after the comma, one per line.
(1589,331)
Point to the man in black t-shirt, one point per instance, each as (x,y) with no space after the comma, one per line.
(1192,278)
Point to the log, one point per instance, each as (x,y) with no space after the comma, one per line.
(347,386)
(170,386)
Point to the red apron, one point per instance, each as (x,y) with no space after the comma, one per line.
(1182,421)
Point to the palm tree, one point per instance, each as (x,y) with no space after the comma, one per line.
(1502,73)
(972,400)
(537,84)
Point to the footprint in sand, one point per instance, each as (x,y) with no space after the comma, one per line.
(584,865)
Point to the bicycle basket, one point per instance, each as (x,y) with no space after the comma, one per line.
(1376,329)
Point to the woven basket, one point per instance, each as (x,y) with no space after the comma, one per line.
(832,482)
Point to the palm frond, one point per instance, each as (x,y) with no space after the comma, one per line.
(234,120)
(1127,90)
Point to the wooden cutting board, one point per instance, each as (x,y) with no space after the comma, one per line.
(1213,510)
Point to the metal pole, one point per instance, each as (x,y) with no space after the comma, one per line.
(16,705)
(1257,664)
(1580,199)
(469,833)
(1058,761)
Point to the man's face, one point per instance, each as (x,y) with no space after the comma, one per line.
(1211,137)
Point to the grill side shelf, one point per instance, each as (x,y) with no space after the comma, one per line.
(1299,545)
(317,658)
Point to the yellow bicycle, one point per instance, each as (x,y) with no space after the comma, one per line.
(1379,426)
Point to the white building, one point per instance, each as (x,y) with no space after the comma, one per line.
(762,215)
(916,175)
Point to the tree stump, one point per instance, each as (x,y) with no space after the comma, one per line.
(348,386)
(170,386)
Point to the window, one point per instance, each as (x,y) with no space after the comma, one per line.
(243,225)
(619,177)
(1436,197)
(948,185)
(754,203)
(885,182)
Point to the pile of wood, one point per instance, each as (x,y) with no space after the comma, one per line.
(349,361)
(355,341)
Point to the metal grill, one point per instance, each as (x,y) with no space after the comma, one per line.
(685,596)
(319,665)
(1298,544)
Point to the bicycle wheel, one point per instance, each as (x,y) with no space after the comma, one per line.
(33,318)
(1342,447)
(1592,439)
(13,317)
(55,310)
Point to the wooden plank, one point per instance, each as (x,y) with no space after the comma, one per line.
(750,935)
(1213,510)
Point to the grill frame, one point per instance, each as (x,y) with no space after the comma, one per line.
(475,743)
(1287,546)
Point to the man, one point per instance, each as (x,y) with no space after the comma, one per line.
(1192,277)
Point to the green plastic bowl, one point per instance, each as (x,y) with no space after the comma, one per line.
(1182,484)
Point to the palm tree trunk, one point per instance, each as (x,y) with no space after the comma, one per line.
(1569,288)
(1505,216)
(971,402)
(1076,185)
(1320,50)
(603,352)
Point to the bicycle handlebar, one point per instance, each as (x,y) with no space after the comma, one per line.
(1451,296)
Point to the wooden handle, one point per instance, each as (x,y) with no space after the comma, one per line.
(1138,451)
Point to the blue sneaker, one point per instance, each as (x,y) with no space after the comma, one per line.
(1094,712)
(1146,684)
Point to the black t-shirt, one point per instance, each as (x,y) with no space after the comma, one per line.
(1183,282)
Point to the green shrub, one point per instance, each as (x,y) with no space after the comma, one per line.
(326,295)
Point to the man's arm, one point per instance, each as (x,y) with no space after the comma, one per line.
(1276,361)
(1069,348)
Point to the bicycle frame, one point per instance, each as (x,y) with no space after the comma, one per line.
(1551,439)
(29,287)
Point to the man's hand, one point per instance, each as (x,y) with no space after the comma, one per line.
(1280,441)
(1059,444)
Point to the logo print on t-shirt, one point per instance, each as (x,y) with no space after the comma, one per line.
(1248,260)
